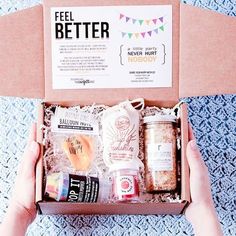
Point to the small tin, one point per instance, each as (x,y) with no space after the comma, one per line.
(125,182)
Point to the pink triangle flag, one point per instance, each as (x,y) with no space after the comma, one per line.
(143,34)
(150,33)
(154,21)
(121,16)
(127,19)
(161,19)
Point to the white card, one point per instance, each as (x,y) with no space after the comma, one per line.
(111,47)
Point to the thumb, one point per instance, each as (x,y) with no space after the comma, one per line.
(196,163)
(31,153)
(199,179)
(30,157)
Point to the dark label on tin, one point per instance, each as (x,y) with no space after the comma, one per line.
(83,189)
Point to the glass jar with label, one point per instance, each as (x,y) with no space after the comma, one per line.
(160,153)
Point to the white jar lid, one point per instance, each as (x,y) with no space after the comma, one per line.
(156,118)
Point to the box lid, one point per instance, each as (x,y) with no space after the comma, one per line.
(21,50)
(207,52)
(206,42)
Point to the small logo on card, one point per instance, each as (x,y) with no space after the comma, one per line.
(84,81)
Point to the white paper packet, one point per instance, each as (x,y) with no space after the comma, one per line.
(120,125)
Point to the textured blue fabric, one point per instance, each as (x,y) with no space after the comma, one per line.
(214,123)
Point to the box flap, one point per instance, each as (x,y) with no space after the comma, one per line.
(21,47)
(110,96)
(207,52)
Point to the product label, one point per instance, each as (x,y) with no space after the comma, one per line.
(111,47)
(122,138)
(83,189)
(125,185)
(74,121)
(160,156)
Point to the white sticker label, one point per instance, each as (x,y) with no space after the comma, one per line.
(160,156)
(125,185)
(111,47)
(72,121)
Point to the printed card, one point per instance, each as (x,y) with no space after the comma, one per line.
(111,47)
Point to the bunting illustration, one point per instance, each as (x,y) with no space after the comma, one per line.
(153,21)
(143,34)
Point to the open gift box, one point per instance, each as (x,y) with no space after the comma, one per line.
(203,63)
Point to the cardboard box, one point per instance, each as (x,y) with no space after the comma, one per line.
(116,208)
(203,57)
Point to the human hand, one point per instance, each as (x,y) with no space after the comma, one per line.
(22,209)
(23,200)
(201,211)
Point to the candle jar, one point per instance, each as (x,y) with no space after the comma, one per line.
(125,184)
(160,153)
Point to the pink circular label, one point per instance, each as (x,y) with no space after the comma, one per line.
(125,184)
